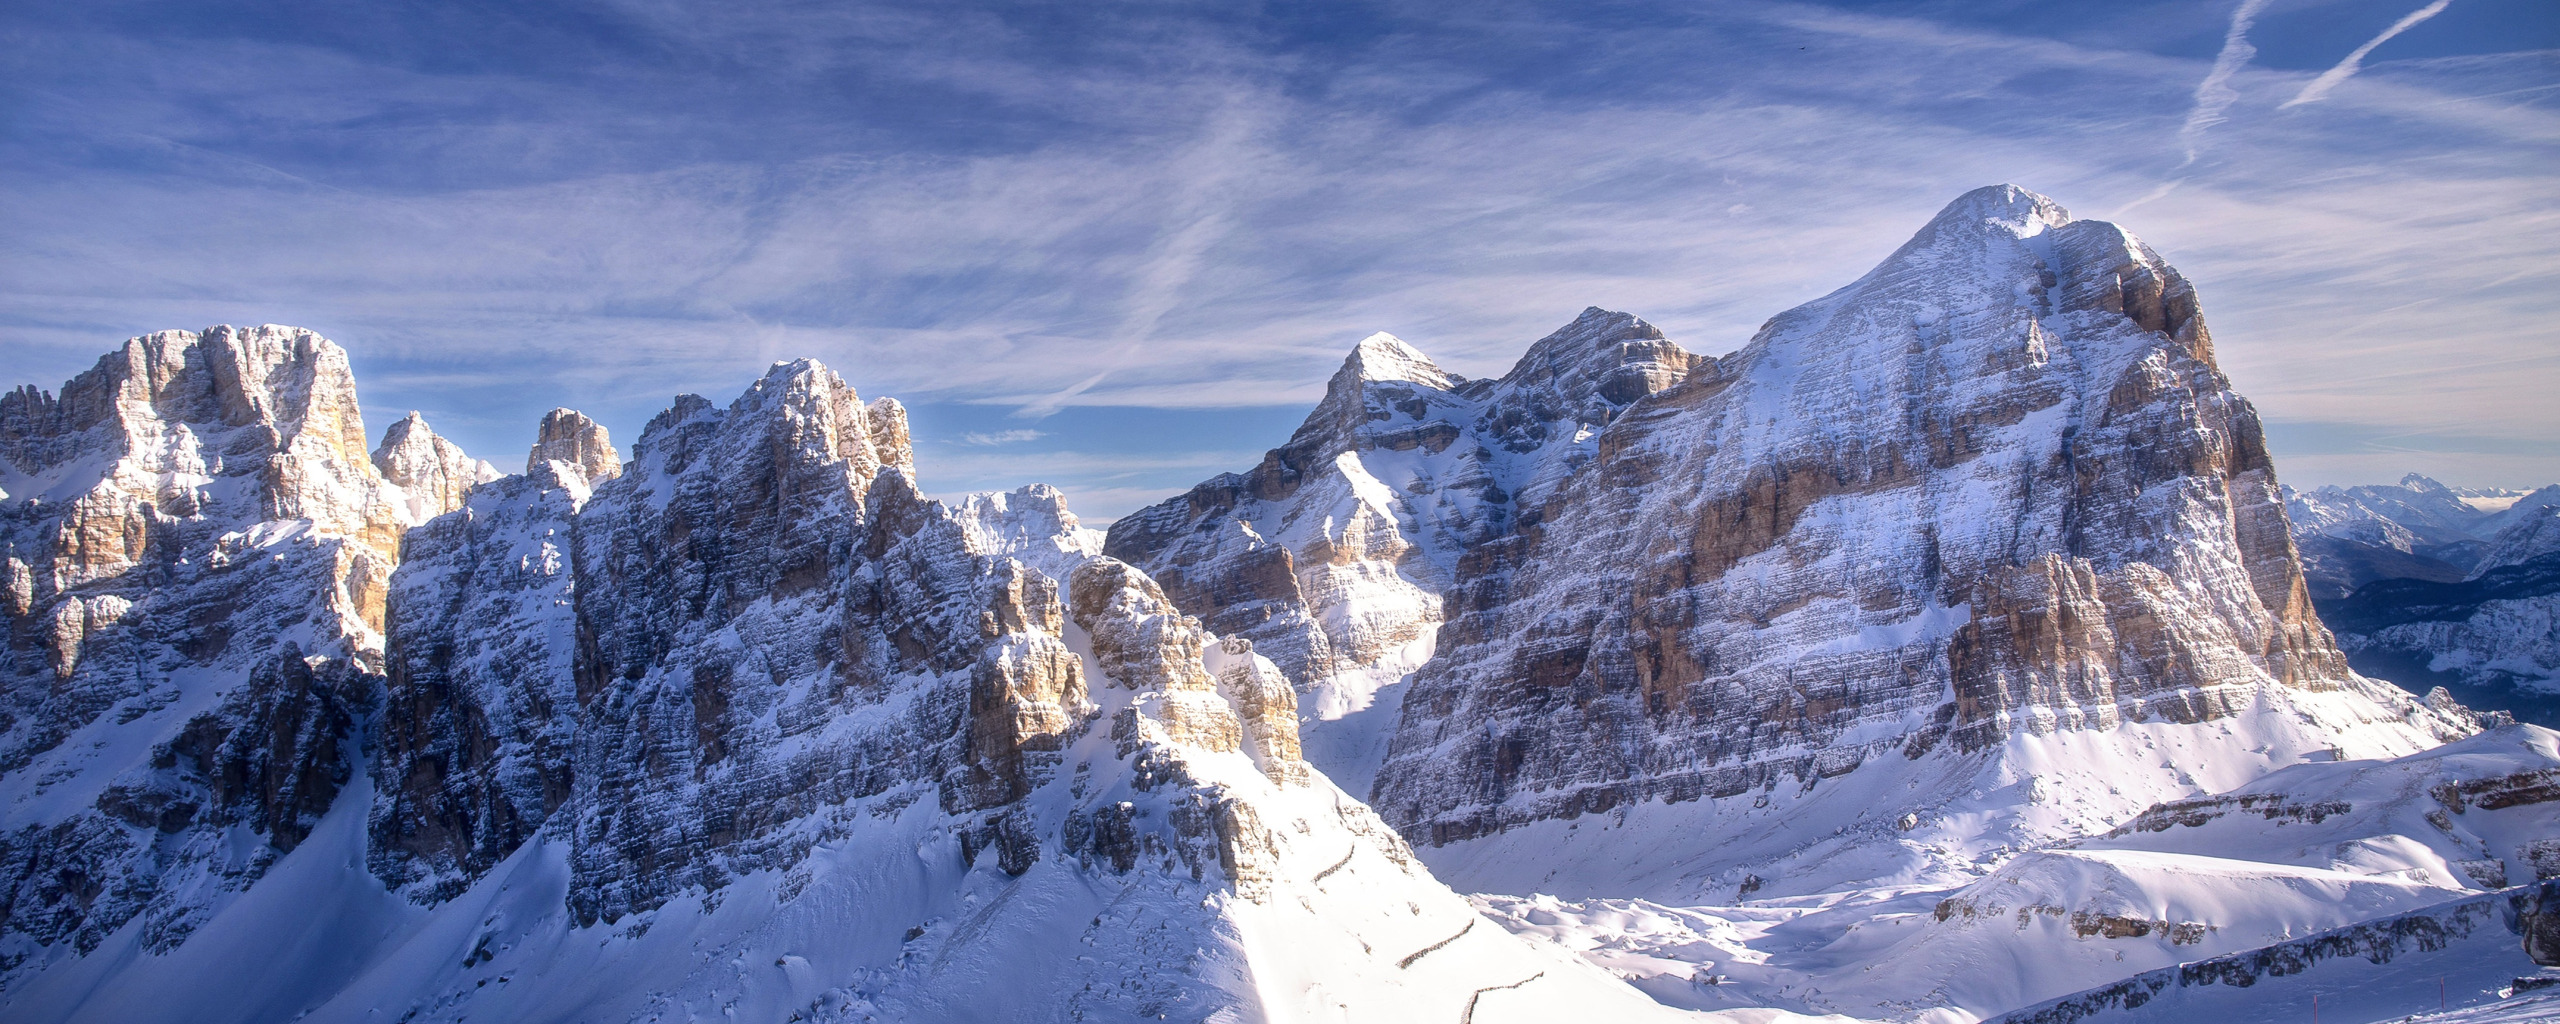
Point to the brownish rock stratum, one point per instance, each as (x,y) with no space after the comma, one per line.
(1989,504)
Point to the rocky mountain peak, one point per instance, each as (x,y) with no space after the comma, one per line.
(2533,532)
(433,474)
(193,533)
(179,436)
(2016,211)
(1031,524)
(580,445)
(1385,357)
(810,411)
(1583,373)
(1901,490)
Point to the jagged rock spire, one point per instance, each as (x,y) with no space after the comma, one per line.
(432,472)
(579,444)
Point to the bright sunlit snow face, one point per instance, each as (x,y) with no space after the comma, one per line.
(1021,214)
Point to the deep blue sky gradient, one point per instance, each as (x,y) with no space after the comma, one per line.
(1123,245)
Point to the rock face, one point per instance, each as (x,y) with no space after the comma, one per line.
(2539,920)
(196,546)
(479,730)
(433,472)
(1995,489)
(570,438)
(750,688)
(1332,557)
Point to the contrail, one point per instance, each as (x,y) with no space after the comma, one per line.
(2215,95)
(2347,68)
(1201,207)
(2164,189)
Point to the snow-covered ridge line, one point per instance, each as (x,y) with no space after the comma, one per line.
(2427,588)
(1996,487)
(2375,941)
(748,689)
(1975,557)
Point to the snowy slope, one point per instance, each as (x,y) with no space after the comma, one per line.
(2318,846)
(2454,962)
(745,727)
(195,546)
(890,922)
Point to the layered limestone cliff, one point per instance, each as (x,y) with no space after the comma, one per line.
(1993,491)
(197,547)
(750,691)
(1996,488)
(1334,555)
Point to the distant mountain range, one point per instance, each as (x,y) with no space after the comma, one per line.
(2427,585)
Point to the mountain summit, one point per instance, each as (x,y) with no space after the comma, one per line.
(1958,597)
(1990,502)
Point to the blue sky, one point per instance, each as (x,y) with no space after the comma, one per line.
(1119,247)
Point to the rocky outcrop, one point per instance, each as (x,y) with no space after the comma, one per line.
(1265,704)
(197,546)
(431,472)
(2538,918)
(579,444)
(1145,645)
(1996,488)
(2376,942)
(1027,693)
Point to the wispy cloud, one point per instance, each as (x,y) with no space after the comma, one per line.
(2354,61)
(1196,216)
(2214,95)
(1160,209)
(989,440)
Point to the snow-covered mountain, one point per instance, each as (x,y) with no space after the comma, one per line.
(1337,554)
(743,726)
(2310,848)
(2492,637)
(2416,529)
(198,550)
(1976,554)
(1940,652)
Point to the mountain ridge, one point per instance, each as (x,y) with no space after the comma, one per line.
(746,724)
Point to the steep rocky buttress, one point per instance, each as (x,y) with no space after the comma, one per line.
(1993,491)
(750,690)
(198,549)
